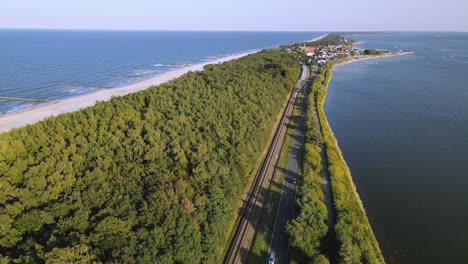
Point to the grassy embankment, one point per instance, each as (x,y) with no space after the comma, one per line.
(357,243)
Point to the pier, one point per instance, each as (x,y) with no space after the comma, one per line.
(87,85)
(23,99)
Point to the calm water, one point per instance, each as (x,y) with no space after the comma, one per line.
(34,63)
(402,123)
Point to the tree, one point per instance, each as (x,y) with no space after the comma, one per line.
(77,254)
(320,259)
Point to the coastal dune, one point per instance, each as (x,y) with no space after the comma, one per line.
(38,113)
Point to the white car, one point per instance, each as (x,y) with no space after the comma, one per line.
(271,258)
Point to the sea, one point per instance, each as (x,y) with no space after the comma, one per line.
(402,124)
(35,64)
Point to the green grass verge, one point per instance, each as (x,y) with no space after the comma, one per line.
(261,242)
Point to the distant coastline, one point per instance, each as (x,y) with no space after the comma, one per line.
(317,38)
(372,57)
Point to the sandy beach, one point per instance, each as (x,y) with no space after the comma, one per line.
(40,112)
(317,38)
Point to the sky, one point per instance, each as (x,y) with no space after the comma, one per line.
(271,15)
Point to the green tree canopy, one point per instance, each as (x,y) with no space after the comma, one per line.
(150,177)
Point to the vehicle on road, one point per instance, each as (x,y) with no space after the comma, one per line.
(271,258)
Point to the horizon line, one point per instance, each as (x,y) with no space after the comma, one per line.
(228,30)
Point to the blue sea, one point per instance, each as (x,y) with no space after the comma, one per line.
(35,63)
(402,124)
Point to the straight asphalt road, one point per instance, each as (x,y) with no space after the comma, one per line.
(279,243)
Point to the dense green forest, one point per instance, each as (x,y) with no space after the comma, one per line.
(357,243)
(151,177)
(373,52)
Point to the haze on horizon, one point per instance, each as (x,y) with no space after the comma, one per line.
(294,15)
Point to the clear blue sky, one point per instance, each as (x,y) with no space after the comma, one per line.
(298,15)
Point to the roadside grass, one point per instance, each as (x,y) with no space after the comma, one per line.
(261,242)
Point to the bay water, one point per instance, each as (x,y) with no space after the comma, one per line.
(402,124)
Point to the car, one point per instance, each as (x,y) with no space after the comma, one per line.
(271,258)
(294,181)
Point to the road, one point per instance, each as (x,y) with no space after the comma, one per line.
(255,201)
(279,242)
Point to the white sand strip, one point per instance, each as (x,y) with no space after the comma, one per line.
(35,114)
(317,38)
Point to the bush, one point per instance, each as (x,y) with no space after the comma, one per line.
(320,259)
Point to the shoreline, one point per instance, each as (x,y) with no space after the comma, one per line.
(332,145)
(329,126)
(372,57)
(37,113)
(317,38)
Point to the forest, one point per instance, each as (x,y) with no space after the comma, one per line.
(150,177)
(373,52)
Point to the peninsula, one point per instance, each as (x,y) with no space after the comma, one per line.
(331,225)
